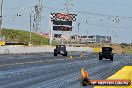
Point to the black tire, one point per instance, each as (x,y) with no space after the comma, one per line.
(55,53)
(111,59)
(65,54)
(100,58)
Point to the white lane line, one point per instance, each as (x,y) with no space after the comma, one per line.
(49,60)
(55,60)
(33,62)
(59,59)
(11,64)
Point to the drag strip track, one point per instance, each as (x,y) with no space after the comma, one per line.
(46,71)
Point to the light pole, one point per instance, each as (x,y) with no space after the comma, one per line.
(78,33)
(1,17)
(30,26)
(51,30)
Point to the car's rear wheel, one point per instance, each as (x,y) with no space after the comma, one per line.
(55,53)
(100,58)
(111,59)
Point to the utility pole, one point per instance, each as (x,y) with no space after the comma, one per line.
(87,32)
(38,16)
(51,30)
(1,17)
(67,4)
(78,33)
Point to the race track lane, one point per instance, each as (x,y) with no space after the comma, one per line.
(46,71)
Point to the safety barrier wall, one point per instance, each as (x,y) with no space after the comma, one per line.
(37,49)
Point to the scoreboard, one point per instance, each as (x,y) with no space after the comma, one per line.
(62,21)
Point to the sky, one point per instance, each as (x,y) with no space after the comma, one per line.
(96,17)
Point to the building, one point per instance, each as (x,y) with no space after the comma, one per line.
(95,39)
(91,39)
(85,39)
(103,39)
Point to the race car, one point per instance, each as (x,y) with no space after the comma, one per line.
(106,53)
(60,49)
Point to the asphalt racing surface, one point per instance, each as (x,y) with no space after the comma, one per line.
(47,71)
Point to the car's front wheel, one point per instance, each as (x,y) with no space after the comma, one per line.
(65,54)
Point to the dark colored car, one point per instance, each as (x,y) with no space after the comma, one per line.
(106,53)
(60,49)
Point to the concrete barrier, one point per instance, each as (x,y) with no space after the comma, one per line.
(37,49)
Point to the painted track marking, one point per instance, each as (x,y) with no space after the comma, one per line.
(33,62)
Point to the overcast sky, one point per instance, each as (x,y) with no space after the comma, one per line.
(96,17)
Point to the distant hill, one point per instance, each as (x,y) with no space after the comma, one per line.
(22,36)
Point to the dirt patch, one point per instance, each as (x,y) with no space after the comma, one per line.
(117,48)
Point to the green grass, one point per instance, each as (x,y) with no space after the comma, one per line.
(22,36)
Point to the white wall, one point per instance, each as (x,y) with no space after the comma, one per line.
(36,49)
